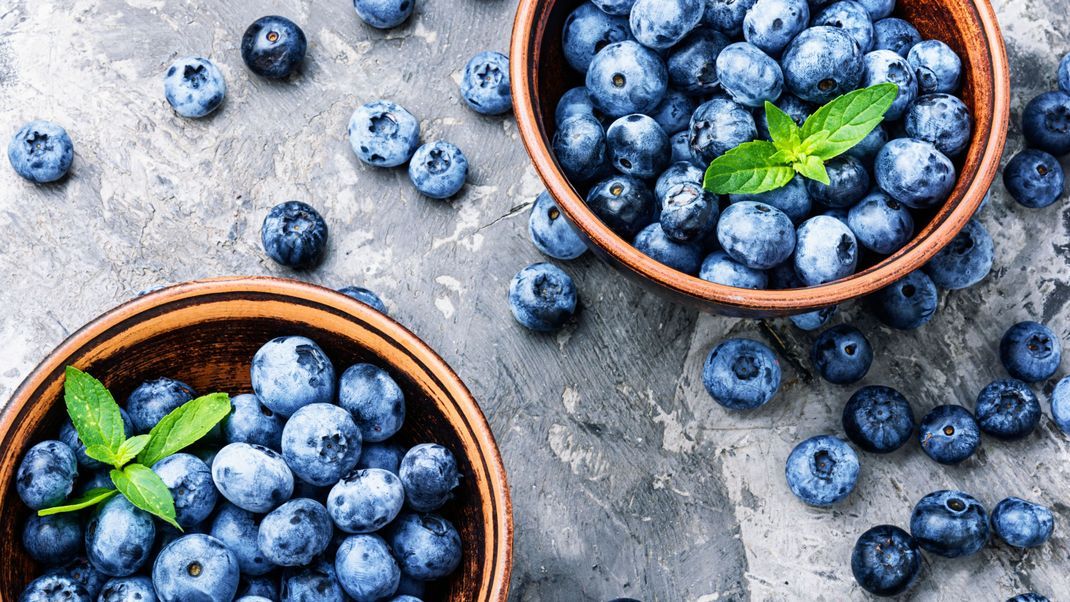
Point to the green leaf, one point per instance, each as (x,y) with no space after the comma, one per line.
(93,411)
(101,453)
(184,426)
(814,168)
(146,490)
(90,498)
(747,169)
(782,128)
(131,448)
(848,119)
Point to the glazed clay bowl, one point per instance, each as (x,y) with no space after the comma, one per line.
(205,333)
(540,76)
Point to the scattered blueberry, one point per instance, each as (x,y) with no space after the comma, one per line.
(366,569)
(741,374)
(438,170)
(1030,351)
(822,470)
(1060,404)
(551,233)
(717,127)
(365,296)
(429,474)
(878,419)
(812,320)
(291,372)
(295,533)
(756,235)
(942,120)
(485,84)
(718,267)
(1021,523)
(660,24)
(1007,409)
(321,443)
(190,483)
(842,355)
(383,134)
(542,297)
(1046,122)
(880,223)
(965,261)
(908,303)
(194,87)
(252,477)
(588,30)
(626,78)
(654,242)
(52,540)
(1028,597)
(384,14)
(638,146)
(580,147)
(427,546)
(238,530)
(1034,178)
(46,475)
(750,76)
(195,567)
(950,524)
(822,63)
(294,235)
(273,47)
(949,434)
(886,561)
(825,250)
(41,152)
(118,537)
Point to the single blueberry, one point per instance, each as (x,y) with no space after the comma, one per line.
(793,199)
(965,261)
(427,546)
(294,235)
(438,170)
(1030,351)
(485,84)
(429,474)
(194,87)
(755,234)
(587,31)
(842,355)
(623,203)
(154,399)
(273,47)
(41,152)
(886,561)
(878,419)
(908,303)
(542,297)
(386,456)
(741,374)
(822,470)
(727,16)
(885,66)
(289,373)
(366,569)
(252,422)
(950,524)
(580,147)
(365,501)
(661,24)
(1060,404)
(848,183)
(295,532)
(914,172)
(574,103)
(384,14)
(822,63)
(720,268)
(878,9)
(1008,409)
(812,320)
(880,223)
(128,589)
(693,62)
(942,120)
(69,435)
(252,477)
(52,540)
(825,250)
(317,582)
(551,232)
(195,567)
(383,134)
(949,434)
(83,572)
(896,35)
(750,76)
(1034,178)
(321,443)
(638,146)
(688,212)
(717,127)
(238,530)
(118,537)
(773,23)
(55,588)
(936,66)
(190,482)
(626,78)
(674,112)
(46,475)
(851,17)
(1021,523)
(365,296)
(655,243)
(374,399)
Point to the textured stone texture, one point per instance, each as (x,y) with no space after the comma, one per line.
(627,478)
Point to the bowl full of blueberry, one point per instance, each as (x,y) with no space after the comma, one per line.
(249,439)
(765,157)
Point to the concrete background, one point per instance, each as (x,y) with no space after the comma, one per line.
(628,479)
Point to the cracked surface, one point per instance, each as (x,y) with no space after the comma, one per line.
(627,478)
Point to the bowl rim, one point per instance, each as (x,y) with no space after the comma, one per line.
(946,223)
(367,317)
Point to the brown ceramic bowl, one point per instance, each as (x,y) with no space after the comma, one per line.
(205,333)
(540,76)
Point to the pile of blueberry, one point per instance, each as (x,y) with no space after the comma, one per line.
(302,494)
(1034,177)
(742,374)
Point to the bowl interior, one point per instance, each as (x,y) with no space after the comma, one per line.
(206,334)
(968,26)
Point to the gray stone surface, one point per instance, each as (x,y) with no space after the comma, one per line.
(627,478)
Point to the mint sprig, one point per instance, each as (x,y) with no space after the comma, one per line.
(99,423)
(761,166)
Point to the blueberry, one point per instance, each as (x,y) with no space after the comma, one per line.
(252,477)
(942,120)
(252,422)
(1060,404)
(383,14)
(655,243)
(688,212)
(851,17)
(41,151)
(795,108)
(660,24)
(551,233)
(54,539)
(825,250)
(485,84)
(574,103)
(46,475)
(542,297)
(1007,409)
(848,183)
(55,588)
(83,572)
(588,30)
(294,235)
(615,7)
(295,533)
(812,320)
(965,261)
(580,147)
(638,146)
(885,66)
(1021,523)
(374,399)
(878,419)
(717,127)
(154,399)
(291,372)
(822,470)
(681,147)
(792,199)
(321,443)
(771,24)
(949,434)
(720,268)
(822,63)
(238,530)
(386,456)
(317,582)
(118,537)
(727,15)
(365,296)
(693,63)
(128,589)
(427,546)
(69,435)
(626,78)
(936,66)
(1028,597)
(194,86)
(438,170)
(673,113)
(880,223)
(1030,351)
(914,172)
(896,35)
(749,75)
(908,303)
(190,483)
(842,355)
(383,134)
(366,569)
(623,203)
(1034,178)
(195,567)
(365,500)
(259,587)
(950,524)
(756,235)
(886,561)
(741,374)
(273,47)
(429,474)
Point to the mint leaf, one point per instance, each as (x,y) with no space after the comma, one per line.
(814,168)
(184,426)
(748,169)
(101,453)
(93,411)
(848,119)
(146,490)
(92,497)
(782,128)
(130,449)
